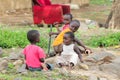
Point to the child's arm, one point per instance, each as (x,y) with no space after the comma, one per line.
(76,49)
(81,44)
(57,27)
(53,33)
(42,60)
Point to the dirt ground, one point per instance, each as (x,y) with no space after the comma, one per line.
(93,12)
(24,17)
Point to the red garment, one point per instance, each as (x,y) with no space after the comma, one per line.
(33,54)
(65,26)
(44,2)
(49,13)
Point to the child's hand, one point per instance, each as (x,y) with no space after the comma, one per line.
(88,51)
(81,61)
(45,69)
(51,33)
(56,24)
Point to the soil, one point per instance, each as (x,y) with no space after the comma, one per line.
(24,17)
(93,12)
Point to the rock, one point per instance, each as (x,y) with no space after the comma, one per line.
(3,71)
(14,56)
(111,68)
(1,51)
(105,56)
(93,78)
(83,66)
(117,60)
(102,79)
(22,69)
(89,63)
(18,63)
(51,60)
(74,6)
(63,71)
(20,54)
(5,58)
(3,65)
(19,78)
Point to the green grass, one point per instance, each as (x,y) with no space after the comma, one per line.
(104,40)
(41,76)
(16,37)
(100,2)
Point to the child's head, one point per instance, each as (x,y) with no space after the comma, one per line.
(68,38)
(33,36)
(74,25)
(67,18)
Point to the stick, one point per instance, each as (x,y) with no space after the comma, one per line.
(49,40)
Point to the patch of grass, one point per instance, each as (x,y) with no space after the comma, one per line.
(101,2)
(16,37)
(104,40)
(42,76)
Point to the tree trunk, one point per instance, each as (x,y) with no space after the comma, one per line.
(115,21)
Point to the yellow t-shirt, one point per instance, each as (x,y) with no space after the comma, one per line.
(59,39)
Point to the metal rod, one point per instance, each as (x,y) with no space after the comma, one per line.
(49,45)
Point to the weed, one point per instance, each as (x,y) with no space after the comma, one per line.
(101,2)
(104,40)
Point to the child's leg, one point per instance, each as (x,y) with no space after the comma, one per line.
(60,61)
(71,65)
(73,60)
(58,49)
(34,69)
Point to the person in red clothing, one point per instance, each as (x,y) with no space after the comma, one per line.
(44,2)
(35,55)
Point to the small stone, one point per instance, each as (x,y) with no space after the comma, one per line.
(5,58)
(24,73)
(3,65)
(22,69)
(102,79)
(13,56)
(51,60)
(84,66)
(100,56)
(111,68)
(117,60)
(4,71)
(63,71)
(18,62)
(18,78)
(1,51)
(93,78)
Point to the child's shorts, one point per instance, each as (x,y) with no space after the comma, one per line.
(49,66)
(66,59)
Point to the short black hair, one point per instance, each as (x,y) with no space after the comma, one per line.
(75,21)
(71,16)
(71,35)
(32,35)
